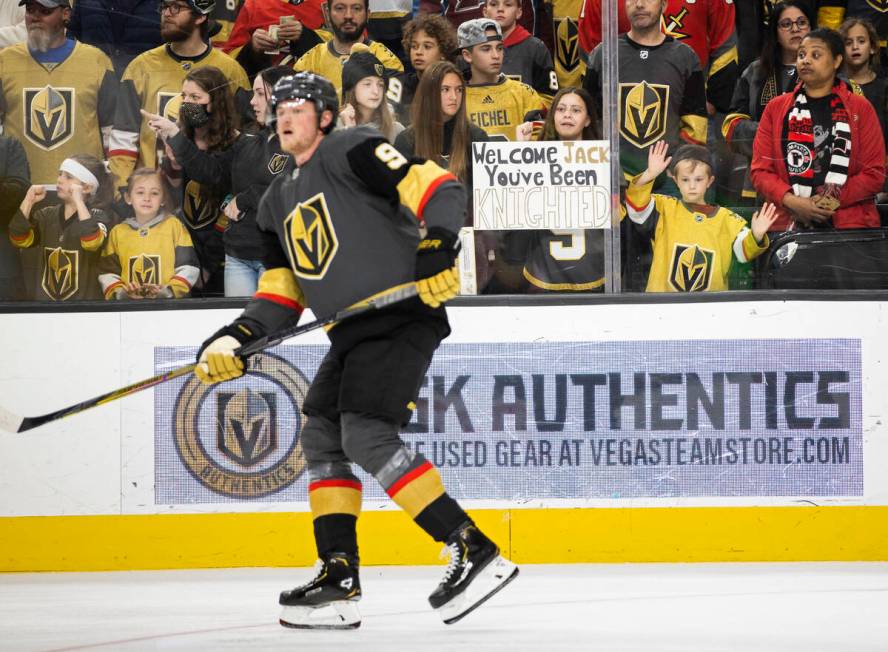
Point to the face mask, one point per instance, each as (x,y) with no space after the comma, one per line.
(194,115)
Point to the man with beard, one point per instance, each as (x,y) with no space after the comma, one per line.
(155,77)
(348,22)
(57,96)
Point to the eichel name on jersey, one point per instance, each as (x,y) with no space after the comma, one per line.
(159,252)
(661,96)
(345,226)
(57,111)
(150,81)
(692,245)
(71,248)
(325,61)
(500,107)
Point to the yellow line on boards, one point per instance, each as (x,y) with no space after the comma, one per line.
(692,534)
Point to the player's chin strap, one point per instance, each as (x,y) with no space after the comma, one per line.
(11,422)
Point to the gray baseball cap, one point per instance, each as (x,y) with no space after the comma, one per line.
(49,4)
(474,32)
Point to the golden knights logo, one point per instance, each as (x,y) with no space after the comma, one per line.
(246,431)
(277,163)
(61,273)
(567,48)
(311,240)
(879,5)
(674,24)
(49,115)
(144,269)
(199,211)
(691,268)
(243,441)
(643,116)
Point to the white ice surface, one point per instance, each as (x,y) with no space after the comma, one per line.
(807,607)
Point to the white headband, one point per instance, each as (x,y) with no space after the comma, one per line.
(79,172)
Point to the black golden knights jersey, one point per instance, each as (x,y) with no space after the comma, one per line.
(500,107)
(150,81)
(57,111)
(324,60)
(345,225)
(225,13)
(527,59)
(202,214)
(693,245)
(69,251)
(569,260)
(159,252)
(568,56)
(661,96)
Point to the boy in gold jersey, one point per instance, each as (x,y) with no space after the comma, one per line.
(693,243)
(494,102)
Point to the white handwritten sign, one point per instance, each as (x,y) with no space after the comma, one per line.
(541,185)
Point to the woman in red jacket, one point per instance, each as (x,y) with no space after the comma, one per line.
(818,153)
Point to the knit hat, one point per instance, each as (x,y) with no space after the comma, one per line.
(474,32)
(690,152)
(359,65)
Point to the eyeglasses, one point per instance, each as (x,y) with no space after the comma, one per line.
(172,7)
(800,23)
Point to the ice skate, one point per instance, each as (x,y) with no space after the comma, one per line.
(475,573)
(329,601)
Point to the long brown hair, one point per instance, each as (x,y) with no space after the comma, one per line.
(844,28)
(428,120)
(382,115)
(221,130)
(590,132)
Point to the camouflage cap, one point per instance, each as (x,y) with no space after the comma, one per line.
(474,32)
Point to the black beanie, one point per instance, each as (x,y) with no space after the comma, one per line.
(359,65)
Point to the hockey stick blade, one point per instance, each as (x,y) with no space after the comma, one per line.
(11,422)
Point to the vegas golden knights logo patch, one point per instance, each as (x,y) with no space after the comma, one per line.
(246,428)
(61,273)
(567,49)
(144,269)
(49,115)
(311,240)
(691,268)
(277,163)
(244,441)
(643,112)
(198,209)
(674,25)
(879,5)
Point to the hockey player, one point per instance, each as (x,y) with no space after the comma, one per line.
(155,77)
(494,102)
(57,96)
(525,58)
(355,200)
(662,94)
(693,243)
(348,22)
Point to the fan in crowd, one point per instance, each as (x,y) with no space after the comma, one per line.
(814,153)
(364,85)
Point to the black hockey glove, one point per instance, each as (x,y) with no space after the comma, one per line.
(216,359)
(437,277)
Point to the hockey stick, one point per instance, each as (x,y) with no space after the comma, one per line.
(14,423)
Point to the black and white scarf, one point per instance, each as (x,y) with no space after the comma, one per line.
(800,152)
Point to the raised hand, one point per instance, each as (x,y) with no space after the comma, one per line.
(165,129)
(658,162)
(762,220)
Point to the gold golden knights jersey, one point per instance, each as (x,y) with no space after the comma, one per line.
(159,252)
(69,251)
(500,107)
(693,245)
(568,56)
(150,81)
(324,60)
(59,110)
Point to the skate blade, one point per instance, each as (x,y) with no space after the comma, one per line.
(342,614)
(488,583)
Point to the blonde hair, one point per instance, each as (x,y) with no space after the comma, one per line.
(141,173)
